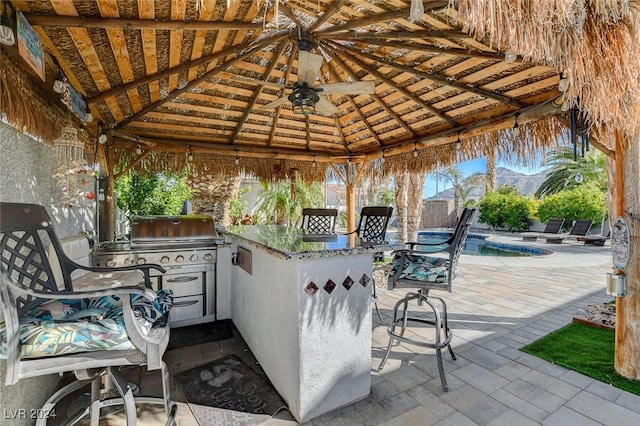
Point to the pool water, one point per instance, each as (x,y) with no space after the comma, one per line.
(477,245)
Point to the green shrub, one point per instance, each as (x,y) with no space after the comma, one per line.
(238,206)
(583,202)
(505,208)
(159,194)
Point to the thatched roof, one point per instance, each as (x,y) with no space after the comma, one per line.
(193,77)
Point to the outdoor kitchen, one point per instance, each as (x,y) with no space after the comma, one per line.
(187,247)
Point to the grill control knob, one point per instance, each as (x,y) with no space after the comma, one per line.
(207,257)
(193,257)
(142,261)
(180,258)
(164,259)
(128,262)
(110,263)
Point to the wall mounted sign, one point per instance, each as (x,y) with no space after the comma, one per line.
(29,45)
(620,243)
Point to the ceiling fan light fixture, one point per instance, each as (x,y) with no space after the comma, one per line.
(303,100)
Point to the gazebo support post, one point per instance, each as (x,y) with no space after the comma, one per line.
(627,205)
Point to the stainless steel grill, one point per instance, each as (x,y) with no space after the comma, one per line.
(186,247)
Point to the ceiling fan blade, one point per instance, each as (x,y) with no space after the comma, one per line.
(355,88)
(276,103)
(325,107)
(308,67)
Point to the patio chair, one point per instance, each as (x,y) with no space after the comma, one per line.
(319,221)
(553,226)
(595,240)
(419,269)
(372,228)
(580,228)
(373,223)
(90,324)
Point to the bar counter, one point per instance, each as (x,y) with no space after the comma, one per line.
(303,304)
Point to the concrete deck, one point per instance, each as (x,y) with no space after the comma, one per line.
(498,305)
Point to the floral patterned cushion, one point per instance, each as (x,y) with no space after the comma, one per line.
(421,268)
(67,326)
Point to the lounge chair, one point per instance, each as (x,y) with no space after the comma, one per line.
(580,228)
(595,240)
(553,227)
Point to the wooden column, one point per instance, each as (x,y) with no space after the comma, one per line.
(107,210)
(627,205)
(350,193)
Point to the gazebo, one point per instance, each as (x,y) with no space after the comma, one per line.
(349,88)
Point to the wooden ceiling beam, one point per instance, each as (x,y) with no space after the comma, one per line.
(136,24)
(170,71)
(265,42)
(440,79)
(258,91)
(276,116)
(125,140)
(420,34)
(388,16)
(476,128)
(375,97)
(331,10)
(352,57)
(289,14)
(431,49)
(357,109)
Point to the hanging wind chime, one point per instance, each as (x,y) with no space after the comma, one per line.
(579,129)
(73,175)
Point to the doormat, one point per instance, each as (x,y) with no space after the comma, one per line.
(229,383)
(200,333)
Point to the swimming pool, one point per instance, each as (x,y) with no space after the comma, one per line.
(477,245)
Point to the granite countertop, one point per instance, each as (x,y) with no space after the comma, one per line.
(289,243)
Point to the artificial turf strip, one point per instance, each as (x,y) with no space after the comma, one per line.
(587,350)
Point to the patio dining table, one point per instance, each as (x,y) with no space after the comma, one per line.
(302,302)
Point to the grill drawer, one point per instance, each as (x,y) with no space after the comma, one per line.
(187,308)
(183,284)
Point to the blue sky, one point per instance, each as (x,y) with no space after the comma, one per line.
(470,167)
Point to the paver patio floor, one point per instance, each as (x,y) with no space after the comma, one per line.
(498,305)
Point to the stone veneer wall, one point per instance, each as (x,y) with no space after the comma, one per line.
(25,176)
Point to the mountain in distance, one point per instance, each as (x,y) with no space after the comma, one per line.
(525,184)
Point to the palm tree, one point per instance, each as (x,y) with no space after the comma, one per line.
(568,173)
(276,204)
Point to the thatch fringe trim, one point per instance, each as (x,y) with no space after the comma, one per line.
(595,43)
(222,165)
(525,145)
(28,109)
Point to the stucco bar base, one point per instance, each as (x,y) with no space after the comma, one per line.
(314,347)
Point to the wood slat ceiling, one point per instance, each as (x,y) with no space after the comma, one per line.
(196,72)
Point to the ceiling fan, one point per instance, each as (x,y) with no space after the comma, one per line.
(307,97)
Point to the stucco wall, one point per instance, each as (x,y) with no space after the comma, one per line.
(25,176)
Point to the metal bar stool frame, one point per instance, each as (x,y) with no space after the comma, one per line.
(439,321)
(319,221)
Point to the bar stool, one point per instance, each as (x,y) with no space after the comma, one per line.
(412,268)
(319,221)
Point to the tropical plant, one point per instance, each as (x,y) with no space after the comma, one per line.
(586,201)
(275,203)
(159,194)
(567,173)
(383,196)
(453,175)
(505,208)
(238,206)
